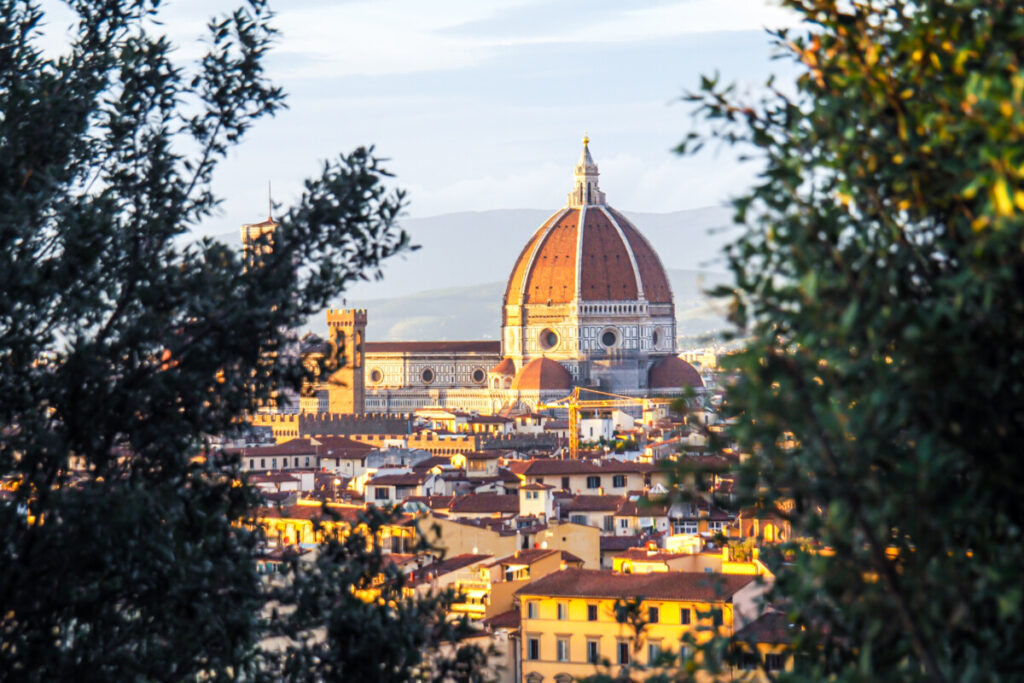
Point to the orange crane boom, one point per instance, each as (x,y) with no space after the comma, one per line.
(573,403)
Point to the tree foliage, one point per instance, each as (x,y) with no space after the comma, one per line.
(879,285)
(123,343)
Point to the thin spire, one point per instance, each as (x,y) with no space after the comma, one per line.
(585,190)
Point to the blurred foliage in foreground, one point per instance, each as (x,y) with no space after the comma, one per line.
(122,344)
(880,284)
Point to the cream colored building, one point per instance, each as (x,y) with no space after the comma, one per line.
(501,537)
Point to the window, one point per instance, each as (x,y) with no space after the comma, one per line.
(533,648)
(273,463)
(531,609)
(591,612)
(479,376)
(623,651)
(578,519)
(623,523)
(653,652)
(748,661)
(594,482)
(652,615)
(307,461)
(563,611)
(562,651)
(774,662)
(593,651)
(609,523)
(565,483)
(686,528)
(380,493)
(252,463)
(684,616)
(428,376)
(716,617)
(540,480)
(618,481)
(296,461)
(548,339)
(263,463)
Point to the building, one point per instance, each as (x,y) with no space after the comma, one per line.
(569,620)
(588,303)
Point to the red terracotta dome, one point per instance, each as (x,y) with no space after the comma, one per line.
(505,367)
(672,372)
(594,248)
(588,251)
(543,374)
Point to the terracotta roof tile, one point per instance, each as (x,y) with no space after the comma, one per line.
(771,627)
(506,620)
(485,503)
(290,447)
(405,479)
(542,374)
(595,583)
(506,367)
(585,503)
(552,275)
(652,273)
(607,273)
(672,372)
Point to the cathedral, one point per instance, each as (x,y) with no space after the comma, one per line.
(587,304)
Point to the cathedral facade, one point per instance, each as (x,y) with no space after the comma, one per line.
(587,304)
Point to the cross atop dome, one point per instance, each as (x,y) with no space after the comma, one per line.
(585,190)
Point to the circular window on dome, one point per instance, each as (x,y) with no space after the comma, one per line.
(376,376)
(479,376)
(428,376)
(655,338)
(548,339)
(609,338)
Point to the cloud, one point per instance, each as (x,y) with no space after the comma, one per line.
(408,36)
(630,181)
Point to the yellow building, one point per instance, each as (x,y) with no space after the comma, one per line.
(569,621)
(307,523)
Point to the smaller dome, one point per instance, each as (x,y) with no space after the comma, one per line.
(543,374)
(673,372)
(505,367)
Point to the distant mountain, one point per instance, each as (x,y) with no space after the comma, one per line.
(476,247)
(452,286)
(474,312)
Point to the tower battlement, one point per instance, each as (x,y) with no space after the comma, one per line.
(346,317)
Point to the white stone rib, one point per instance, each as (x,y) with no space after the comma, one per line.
(579,254)
(629,250)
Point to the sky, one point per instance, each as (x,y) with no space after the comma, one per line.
(482,104)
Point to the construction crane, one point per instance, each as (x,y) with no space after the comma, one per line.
(574,404)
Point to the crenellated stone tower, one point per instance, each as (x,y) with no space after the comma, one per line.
(346,386)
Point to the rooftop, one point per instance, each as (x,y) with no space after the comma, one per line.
(595,583)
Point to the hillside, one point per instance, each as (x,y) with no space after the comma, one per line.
(474,312)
